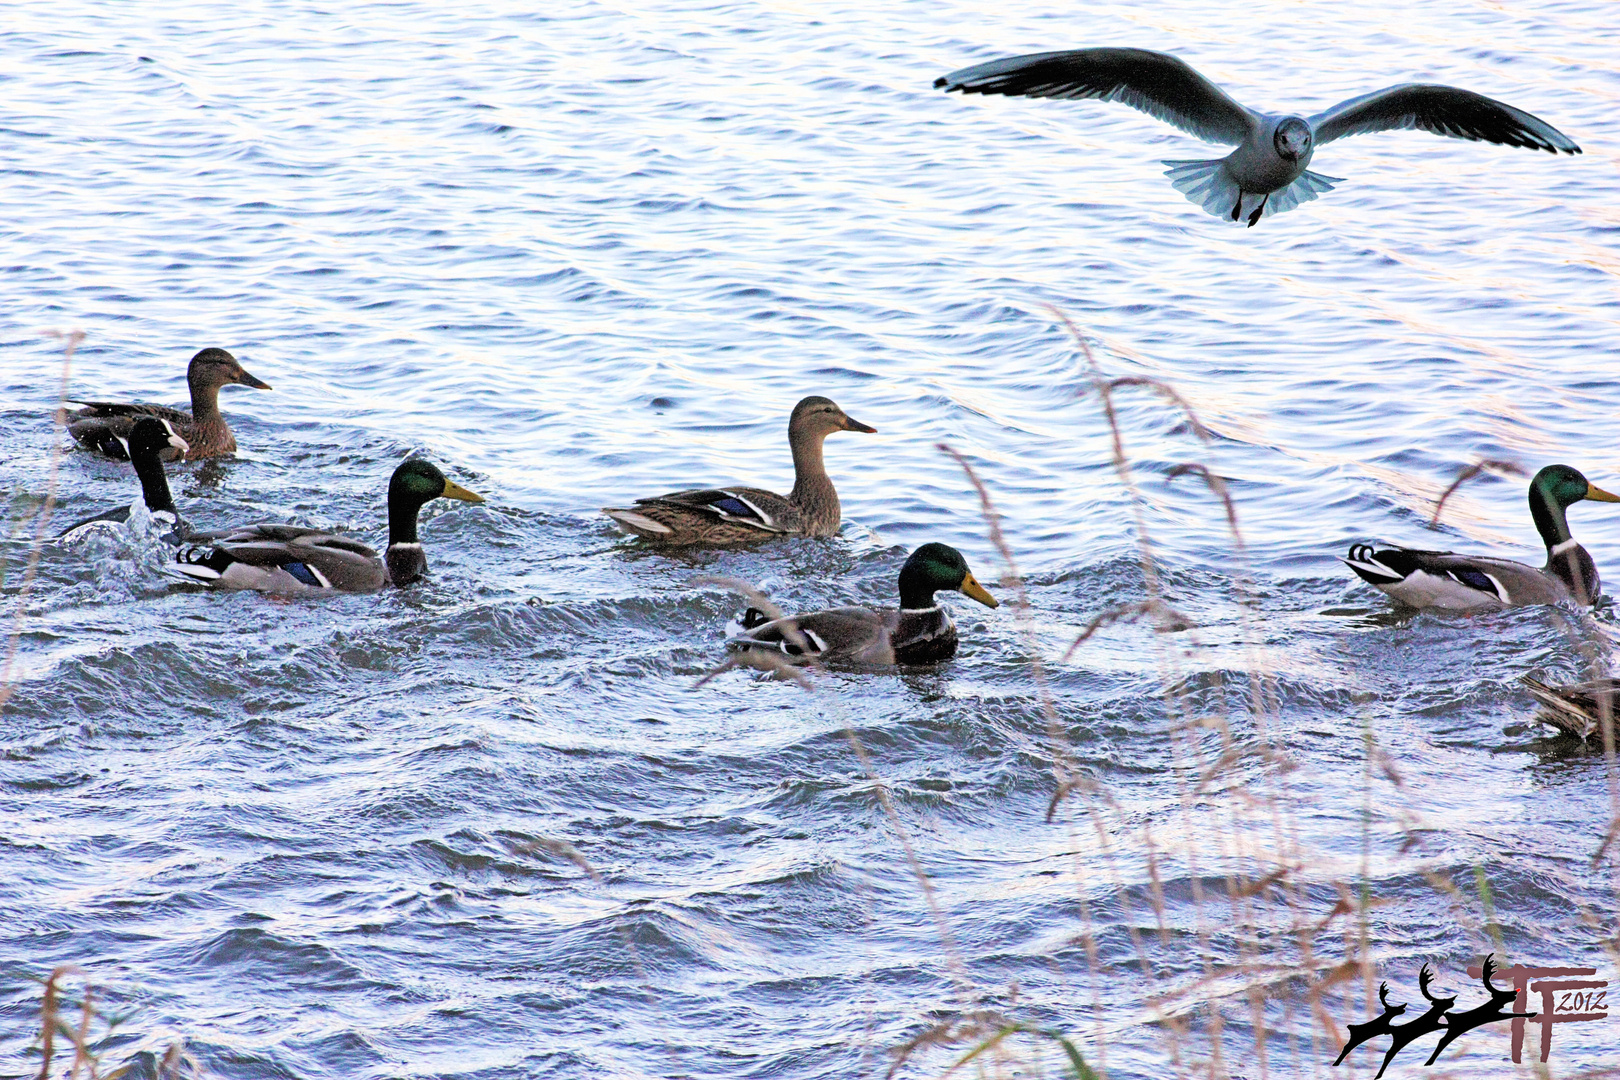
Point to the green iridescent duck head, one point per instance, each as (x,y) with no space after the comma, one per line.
(934,567)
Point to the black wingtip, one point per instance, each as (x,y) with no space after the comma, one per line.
(941,81)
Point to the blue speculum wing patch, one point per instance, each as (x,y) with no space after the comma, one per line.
(733,506)
(302,573)
(1474,579)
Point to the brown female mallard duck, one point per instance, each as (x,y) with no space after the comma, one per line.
(1579,708)
(738,515)
(294,558)
(1461,582)
(104,426)
(920,632)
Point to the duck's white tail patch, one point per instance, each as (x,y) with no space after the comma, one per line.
(636,524)
(1364,557)
(195,571)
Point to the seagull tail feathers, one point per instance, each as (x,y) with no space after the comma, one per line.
(1209,185)
(1206,184)
(1307,187)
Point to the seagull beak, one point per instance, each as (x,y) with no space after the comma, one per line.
(1597,494)
(973,589)
(453,490)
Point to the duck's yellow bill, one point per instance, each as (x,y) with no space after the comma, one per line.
(972,588)
(1597,494)
(453,490)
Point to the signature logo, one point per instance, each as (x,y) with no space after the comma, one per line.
(1563,1000)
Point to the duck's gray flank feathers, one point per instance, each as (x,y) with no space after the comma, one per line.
(1445,579)
(295,558)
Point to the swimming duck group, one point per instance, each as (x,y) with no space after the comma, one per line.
(1266,175)
(285,558)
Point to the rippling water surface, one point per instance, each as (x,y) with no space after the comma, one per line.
(486,827)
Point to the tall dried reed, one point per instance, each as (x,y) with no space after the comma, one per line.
(41,518)
(1279,944)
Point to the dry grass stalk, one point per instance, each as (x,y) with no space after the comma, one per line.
(778,665)
(1167,620)
(545,845)
(174,1064)
(1183,747)
(55,1021)
(1512,468)
(42,520)
(1250,791)
(1070,778)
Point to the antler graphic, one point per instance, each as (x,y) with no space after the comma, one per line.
(1425,977)
(1371,1029)
(1487,1012)
(1433,1020)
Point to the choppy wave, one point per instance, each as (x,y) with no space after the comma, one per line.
(487,827)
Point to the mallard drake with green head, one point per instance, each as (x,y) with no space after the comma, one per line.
(738,515)
(293,558)
(1442,579)
(149,438)
(920,632)
(104,426)
(1579,708)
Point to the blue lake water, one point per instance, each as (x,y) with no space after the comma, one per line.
(583,252)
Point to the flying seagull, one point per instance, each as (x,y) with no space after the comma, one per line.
(1266,174)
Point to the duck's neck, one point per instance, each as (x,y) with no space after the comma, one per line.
(813,492)
(402,521)
(1549,518)
(205,404)
(154,485)
(916,593)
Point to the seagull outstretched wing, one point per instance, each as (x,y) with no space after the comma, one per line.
(1157,83)
(1442,110)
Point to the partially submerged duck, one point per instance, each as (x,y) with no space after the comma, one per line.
(920,632)
(1443,579)
(293,558)
(738,515)
(1578,709)
(149,438)
(105,426)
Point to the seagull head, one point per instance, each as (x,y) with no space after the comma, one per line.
(1292,139)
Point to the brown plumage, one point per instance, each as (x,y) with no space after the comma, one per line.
(104,426)
(738,515)
(1578,709)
